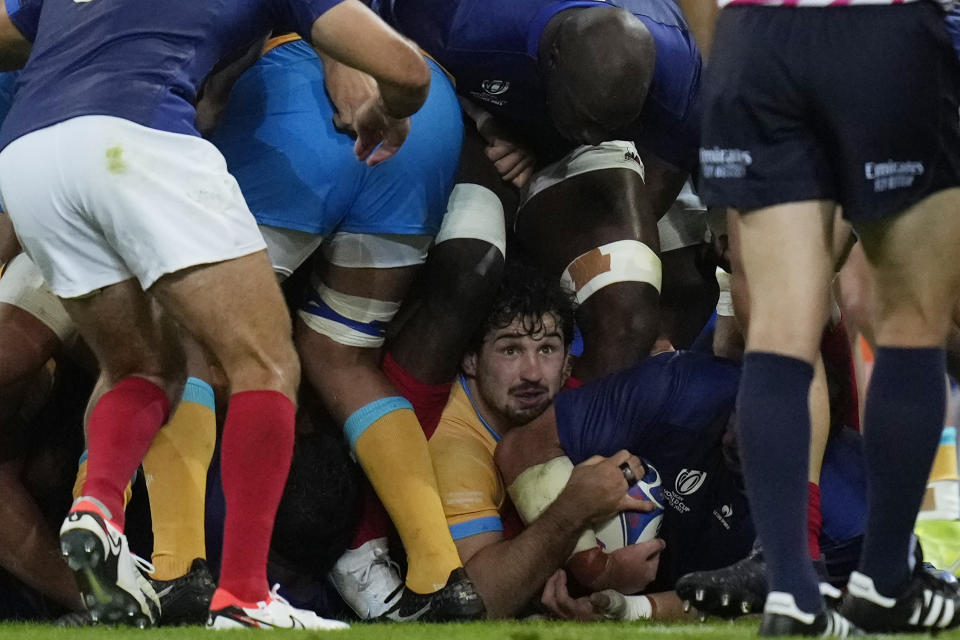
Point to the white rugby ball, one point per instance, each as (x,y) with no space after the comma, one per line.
(631,527)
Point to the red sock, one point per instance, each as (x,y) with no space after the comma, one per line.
(255,455)
(372,519)
(121,427)
(814,520)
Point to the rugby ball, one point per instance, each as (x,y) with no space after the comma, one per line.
(631,527)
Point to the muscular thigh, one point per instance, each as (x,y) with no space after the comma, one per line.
(581,213)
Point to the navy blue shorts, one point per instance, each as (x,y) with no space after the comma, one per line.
(857,105)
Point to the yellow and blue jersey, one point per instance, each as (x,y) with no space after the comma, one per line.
(471,488)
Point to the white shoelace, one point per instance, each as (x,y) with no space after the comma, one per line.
(144,565)
(381,557)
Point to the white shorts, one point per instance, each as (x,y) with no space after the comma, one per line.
(96,200)
(685,223)
(22,286)
(614,154)
(289,248)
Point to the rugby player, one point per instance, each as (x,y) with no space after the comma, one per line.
(200,257)
(370,227)
(605,97)
(673,408)
(789,133)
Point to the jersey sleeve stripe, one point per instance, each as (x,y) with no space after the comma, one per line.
(473,527)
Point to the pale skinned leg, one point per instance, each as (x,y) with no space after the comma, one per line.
(347,377)
(787,257)
(916,285)
(819,398)
(392,449)
(916,280)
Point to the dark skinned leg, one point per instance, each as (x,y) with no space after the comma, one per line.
(620,322)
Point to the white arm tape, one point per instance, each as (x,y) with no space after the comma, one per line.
(725,301)
(537,487)
(627,607)
(474,212)
(620,261)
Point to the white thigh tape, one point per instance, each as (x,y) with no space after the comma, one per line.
(614,154)
(474,212)
(349,320)
(725,301)
(620,261)
(22,286)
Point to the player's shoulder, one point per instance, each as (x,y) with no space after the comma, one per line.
(460,429)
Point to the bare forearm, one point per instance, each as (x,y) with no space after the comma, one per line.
(510,573)
(667,606)
(352,34)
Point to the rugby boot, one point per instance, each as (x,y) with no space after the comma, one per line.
(728,592)
(367,579)
(457,601)
(186,600)
(273,613)
(111,583)
(929,603)
(738,589)
(781,617)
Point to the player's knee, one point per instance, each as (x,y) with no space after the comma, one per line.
(464,276)
(270,364)
(623,317)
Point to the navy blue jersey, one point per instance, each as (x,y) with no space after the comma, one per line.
(953,27)
(490,47)
(674,410)
(141,60)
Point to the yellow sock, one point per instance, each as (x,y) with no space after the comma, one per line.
(82,477)
(392,450)
(175,469)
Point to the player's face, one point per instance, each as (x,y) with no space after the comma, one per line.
(518,373)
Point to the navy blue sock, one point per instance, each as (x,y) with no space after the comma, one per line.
(903,419)
(774,420)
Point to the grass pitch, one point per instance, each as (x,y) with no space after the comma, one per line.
(715,630)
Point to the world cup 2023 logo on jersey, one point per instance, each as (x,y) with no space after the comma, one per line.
(688,482)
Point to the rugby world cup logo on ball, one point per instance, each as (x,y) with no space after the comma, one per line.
(631,527)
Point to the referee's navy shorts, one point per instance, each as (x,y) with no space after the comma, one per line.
(852,104)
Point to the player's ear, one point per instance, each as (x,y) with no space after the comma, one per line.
(469,364)
(567,369)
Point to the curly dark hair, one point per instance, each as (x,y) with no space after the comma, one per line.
(526,292)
